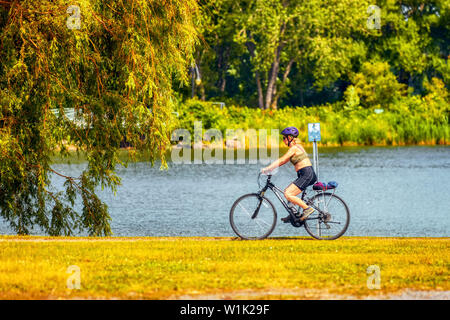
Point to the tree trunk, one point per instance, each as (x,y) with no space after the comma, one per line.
(273,73)
(260,92)
(223,84)
(201,86)
(222,66)
(202,92)
(272,78)
(251,49)
(276,95)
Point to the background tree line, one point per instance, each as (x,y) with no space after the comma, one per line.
(274,53)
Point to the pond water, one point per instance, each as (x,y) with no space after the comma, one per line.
(391,191)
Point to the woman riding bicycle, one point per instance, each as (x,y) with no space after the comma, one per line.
(305,172)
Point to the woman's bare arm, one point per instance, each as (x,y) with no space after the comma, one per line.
(279,162)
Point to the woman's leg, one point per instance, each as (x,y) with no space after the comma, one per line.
(291,193)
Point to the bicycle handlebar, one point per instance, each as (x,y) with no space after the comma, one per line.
(259,175)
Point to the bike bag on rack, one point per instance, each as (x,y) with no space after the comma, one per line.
(332,185)
(325,186)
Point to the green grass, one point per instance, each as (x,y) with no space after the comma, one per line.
(167,268)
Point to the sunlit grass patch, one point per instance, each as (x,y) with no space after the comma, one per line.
(161,268)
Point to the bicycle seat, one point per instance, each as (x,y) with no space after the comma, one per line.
(325,186)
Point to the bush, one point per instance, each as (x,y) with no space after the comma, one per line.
(409,120)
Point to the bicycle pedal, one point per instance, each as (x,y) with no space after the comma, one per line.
(297,223)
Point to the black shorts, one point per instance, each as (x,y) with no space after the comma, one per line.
(306,177)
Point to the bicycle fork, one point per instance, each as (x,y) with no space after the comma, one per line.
(258,207)
(261,199)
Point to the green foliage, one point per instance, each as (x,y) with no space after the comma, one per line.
(410,120)
(116,71)
(374,86)
(276,53)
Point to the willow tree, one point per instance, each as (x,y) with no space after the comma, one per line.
(113,62)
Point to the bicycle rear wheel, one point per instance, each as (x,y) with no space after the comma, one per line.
(253,217)
(331,220)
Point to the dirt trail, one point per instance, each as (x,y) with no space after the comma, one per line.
(314,294)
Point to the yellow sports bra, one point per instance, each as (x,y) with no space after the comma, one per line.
(299,157)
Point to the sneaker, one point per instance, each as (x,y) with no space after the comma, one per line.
(288,218)
(306,213)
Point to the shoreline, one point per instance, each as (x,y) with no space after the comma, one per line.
(138,156)
(72,148)
(12,238)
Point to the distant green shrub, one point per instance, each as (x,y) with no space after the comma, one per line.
(406,120)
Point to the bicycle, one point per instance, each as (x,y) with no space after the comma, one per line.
(253,216)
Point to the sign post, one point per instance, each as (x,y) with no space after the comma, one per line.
(314,136)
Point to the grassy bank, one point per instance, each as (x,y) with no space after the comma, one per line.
(169,268)
(410,121)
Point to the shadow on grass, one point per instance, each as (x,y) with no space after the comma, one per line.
(291,238)
(275,238)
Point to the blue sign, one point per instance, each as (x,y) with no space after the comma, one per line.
(314,132)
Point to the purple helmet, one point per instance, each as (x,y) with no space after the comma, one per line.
(290,131)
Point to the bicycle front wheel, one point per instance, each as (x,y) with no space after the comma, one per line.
(331,220)
(253,217)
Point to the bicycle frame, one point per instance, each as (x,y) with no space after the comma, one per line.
(323,216)
(278,193)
